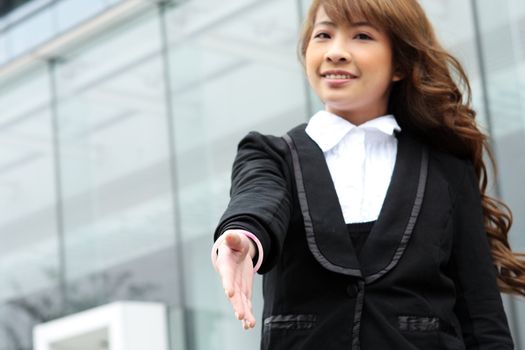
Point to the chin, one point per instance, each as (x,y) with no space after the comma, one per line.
(338,106)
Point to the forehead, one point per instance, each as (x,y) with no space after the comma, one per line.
(343,18)
(321,15)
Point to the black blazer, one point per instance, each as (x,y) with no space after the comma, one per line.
(424,278)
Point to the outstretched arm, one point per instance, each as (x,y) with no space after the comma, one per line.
(259,212)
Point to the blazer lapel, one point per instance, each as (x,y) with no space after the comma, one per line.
(325,228)
(390,235)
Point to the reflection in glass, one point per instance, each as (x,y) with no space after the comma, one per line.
(503,49)
(28,230)
(118,216)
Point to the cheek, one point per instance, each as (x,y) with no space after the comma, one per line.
(387,61)
(379,59)
(374,54)
(381,65)
(310,68)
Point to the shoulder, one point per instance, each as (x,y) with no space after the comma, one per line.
(255,140)
(449,158)
(454,169)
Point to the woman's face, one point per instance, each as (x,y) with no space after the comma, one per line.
(350,68)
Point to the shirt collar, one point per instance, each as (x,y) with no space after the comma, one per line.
(328,129)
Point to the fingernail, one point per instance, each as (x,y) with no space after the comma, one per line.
(237,315)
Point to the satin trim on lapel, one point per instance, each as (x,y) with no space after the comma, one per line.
(390,235)
(326,232)
(325,228)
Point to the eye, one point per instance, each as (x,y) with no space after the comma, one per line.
(363,36)
(322,35)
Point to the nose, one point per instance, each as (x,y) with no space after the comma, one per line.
(338,52)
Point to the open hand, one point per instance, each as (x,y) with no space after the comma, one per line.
(234,265)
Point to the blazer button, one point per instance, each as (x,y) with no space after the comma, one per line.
(352,290)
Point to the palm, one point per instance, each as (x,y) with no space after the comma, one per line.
(235,267)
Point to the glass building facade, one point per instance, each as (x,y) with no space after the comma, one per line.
(119,122)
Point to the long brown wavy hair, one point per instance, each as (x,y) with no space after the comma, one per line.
(440,105)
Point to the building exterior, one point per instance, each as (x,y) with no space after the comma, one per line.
(119,121)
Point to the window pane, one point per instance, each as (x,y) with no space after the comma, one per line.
(32,32)
(119,225)
(234,69)
(503,40)
(29,270)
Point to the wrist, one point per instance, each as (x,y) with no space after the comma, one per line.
(252,250)
(255,249)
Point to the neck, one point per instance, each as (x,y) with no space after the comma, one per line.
(357,118)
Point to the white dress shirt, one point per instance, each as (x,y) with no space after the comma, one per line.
(360,158)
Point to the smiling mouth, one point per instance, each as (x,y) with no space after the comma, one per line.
(338,76)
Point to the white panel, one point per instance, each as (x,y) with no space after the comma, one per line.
(116,326)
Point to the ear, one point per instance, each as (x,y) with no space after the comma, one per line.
(398,72)
(397,76)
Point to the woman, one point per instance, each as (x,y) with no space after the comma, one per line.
(371,224)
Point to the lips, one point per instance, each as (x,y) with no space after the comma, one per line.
(338,75)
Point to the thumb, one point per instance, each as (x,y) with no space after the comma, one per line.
(233,241)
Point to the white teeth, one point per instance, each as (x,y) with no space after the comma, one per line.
(338,76)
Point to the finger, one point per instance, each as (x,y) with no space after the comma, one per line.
(239,310)
(247,284)
(248,287)
(233,292)
(233,241)
(247,324)
(238,304)
(247,303)
(249,318)
(227,273)
(229,267)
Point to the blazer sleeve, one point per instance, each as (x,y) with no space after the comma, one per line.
(479,307)
(260,199)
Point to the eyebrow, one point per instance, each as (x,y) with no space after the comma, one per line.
(363,23)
